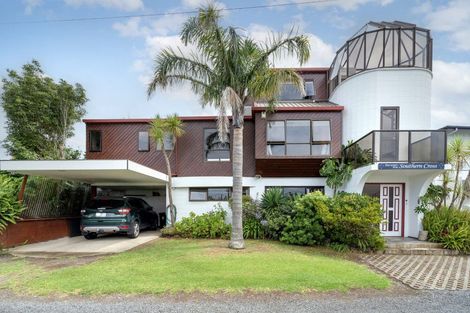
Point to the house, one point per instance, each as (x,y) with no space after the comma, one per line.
(375,100)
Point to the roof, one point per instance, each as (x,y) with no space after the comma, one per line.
(148,120)
(94,172)
(456,127)
(299,105)
(372,25)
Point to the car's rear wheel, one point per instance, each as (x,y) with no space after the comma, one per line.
(134,230)
(90,236)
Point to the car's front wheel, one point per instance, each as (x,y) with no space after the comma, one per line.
(134,230)
(90,236)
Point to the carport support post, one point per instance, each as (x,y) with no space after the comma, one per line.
(23,187)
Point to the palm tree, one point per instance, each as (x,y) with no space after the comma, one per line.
(161,130)
(227,71)
(458,155)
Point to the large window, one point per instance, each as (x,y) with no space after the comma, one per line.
(298,138)
(95,141)
(214,148)
(290,191)
(213,193)
(144,143)
(289,91)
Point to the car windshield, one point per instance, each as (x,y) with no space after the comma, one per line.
(106,203)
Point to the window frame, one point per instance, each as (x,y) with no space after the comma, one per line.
(311,142)
(321,188)
(90,141)
(246,191)
(147,149)
(204,150)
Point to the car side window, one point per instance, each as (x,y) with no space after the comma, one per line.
(134,203)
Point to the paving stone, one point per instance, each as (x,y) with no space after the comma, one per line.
(433,272)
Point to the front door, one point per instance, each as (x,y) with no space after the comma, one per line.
(391,199)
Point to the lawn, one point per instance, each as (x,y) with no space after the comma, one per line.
(179,265)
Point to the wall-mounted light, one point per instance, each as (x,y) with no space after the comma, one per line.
(263,114)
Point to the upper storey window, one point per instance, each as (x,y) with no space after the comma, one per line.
(144,142)
(214,148)
(95,141)
(298,138)
(290,92)
(168,143)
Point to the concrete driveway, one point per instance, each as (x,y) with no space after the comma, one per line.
(79,246)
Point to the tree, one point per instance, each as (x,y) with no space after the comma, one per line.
(337,173)
(162,130)
(228,70)
(40,114)
(458,154)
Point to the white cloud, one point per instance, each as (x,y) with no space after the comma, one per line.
(453,18)
(30,5)
(131,28)
(123,5)
(451,93)
(321,53)
(346,5)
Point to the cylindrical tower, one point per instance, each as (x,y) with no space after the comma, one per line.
(385,66)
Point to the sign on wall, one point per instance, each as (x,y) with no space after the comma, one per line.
(411,166)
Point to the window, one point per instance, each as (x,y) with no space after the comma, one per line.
(144,143)
(389,118)
(321,138)
(214,148)
(298,138)
(213,193)
(309,89)
(289,91)
(276,136)
(95,141)
(290,191)
(167,143)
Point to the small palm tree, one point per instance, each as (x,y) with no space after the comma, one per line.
(162,130)
(228,71)
(459,155)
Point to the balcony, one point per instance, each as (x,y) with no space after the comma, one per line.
(405,146)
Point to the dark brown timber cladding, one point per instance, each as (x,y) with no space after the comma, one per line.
(287,166)
(120,141)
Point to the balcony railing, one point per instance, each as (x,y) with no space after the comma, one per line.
(408,146)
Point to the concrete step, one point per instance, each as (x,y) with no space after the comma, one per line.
(413,244)
(420,251)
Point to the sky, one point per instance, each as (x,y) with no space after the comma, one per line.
(113,59)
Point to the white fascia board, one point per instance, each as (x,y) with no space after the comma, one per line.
(136,167)
(62,165)
(210,181)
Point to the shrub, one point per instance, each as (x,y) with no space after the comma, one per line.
(448,226)
(169,232)
(353,220)
(207,225)
(275,208)
(10,208)
(303,226)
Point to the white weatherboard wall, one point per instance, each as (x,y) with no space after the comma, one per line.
(363,94)
(257,187)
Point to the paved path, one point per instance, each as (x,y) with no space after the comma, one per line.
(417,302)
(79,246)
(434,272)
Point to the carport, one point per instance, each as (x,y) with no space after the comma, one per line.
(120,177)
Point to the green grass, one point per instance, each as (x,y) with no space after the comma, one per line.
(208,266)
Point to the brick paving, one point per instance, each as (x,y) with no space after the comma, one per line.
(433,272)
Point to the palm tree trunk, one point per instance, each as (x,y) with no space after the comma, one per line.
(236,240)
(456,182)
(170,187)
(465,190)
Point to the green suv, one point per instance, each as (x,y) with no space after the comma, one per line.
(125,215)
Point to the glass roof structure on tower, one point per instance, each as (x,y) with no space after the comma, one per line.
(382,45)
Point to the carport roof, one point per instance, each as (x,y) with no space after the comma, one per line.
(94,172)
